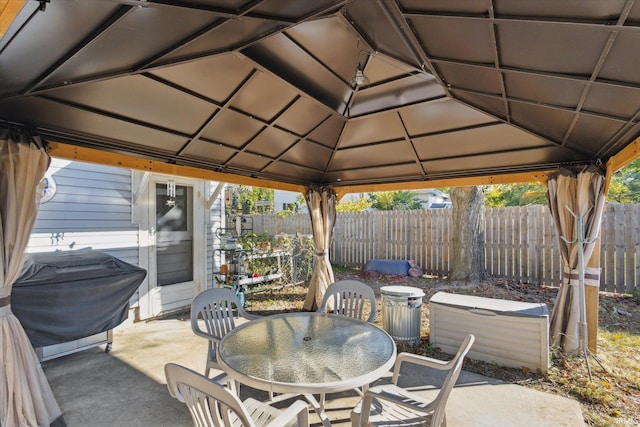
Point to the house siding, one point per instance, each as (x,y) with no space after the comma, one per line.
(90,208)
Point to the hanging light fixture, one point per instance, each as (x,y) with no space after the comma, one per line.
(359,79)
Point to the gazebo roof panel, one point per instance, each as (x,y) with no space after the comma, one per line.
(272,142)
(313,154)
(216,77)
(396,152)
(134,97)
(503,162)
(476,141)
(626,105)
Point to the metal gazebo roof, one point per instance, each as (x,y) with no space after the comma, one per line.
(262,89)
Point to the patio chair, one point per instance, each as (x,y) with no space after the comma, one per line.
(349,299)
(391,405)
(218,308)
(212,404)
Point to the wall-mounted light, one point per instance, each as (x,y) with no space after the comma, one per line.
(48,188)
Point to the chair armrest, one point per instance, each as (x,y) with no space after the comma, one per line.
(299,409)
(397,396)
(424,361)
(248,316)
(206,335)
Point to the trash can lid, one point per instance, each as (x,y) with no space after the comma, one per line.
(402,291)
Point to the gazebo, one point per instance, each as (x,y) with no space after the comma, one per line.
(322,97)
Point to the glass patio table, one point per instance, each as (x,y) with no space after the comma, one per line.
(307,353)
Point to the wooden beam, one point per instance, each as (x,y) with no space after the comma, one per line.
(102,157)
(8,11)
(540,176)
(625,156)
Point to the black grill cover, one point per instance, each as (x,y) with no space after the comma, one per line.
(66,295)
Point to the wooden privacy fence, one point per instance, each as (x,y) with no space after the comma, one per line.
(520,242)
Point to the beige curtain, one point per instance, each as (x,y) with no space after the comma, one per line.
(321,203)
(25,396)
(572,195)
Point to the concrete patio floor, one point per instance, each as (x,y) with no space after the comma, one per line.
(127,387)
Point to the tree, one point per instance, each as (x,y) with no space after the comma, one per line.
(250,200)
(625,184)
(624,188)
(395,200)
(515,195)
(619,193)
(468,234)
(358,205)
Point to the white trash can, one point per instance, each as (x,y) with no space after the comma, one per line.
(402,312)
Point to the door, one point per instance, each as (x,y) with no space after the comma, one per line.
(176,255)
(174,233)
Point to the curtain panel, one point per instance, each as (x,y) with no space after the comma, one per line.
(26,398)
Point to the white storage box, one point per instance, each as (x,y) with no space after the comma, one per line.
(508,333)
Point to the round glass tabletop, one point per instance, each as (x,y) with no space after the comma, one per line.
(306,353)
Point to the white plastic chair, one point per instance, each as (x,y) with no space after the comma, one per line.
(217,307)
(214,405)
(350,297)
(390,405)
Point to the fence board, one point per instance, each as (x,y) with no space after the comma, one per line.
(493,257)
(630,239)
(619,247)
(439,231)
(532,232)
(608,240)
(511,232)
(428,237)
(520,243)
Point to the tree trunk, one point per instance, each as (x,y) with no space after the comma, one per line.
(468,234)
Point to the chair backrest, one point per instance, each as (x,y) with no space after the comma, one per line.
(454,372)
(210,404)
(216,307)
(349,298)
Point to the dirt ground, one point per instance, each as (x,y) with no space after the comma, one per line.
(617,312)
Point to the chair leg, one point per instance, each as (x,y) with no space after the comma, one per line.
(235,387)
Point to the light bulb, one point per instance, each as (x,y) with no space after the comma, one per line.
(359,79)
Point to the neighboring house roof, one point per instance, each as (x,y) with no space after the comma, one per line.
(259,91)
(439,205)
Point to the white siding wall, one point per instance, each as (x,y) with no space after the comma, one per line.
(216,220)
(91,208)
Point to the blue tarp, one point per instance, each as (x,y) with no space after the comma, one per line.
(389,266)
